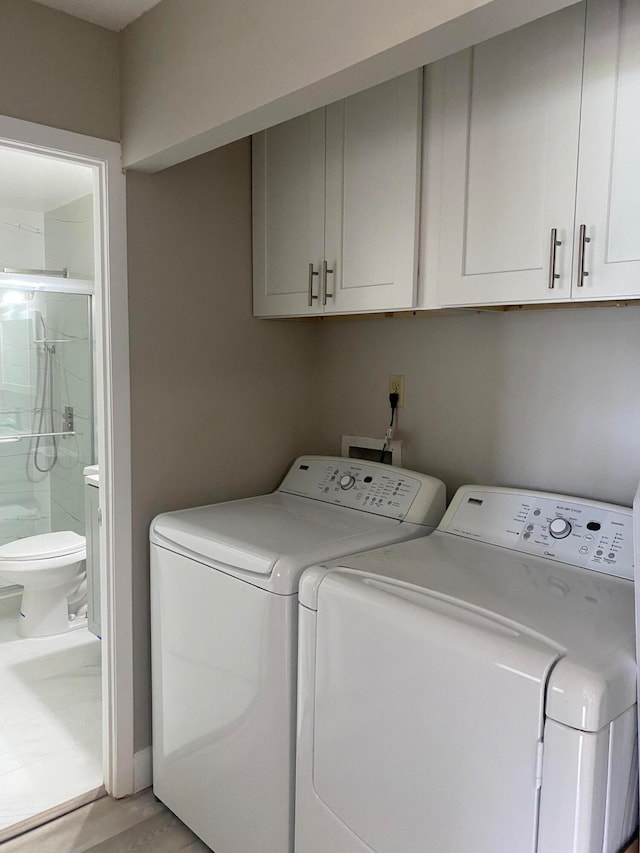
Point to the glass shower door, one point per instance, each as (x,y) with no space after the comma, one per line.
(46,410)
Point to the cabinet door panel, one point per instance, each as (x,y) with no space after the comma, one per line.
(609,167)
(509,155)
(288,214)
(372,196)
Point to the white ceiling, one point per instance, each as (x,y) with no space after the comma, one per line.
(112,14)
(39,184)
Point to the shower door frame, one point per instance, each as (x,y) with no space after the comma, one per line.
(112,408)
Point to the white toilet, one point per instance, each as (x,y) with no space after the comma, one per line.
(50,567)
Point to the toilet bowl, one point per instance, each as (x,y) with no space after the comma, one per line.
(50,567)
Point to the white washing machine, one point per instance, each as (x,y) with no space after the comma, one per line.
(474,690)
(224,584)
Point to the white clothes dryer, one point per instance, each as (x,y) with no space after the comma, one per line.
(224,583)
(473,690)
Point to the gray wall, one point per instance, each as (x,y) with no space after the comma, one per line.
(200,74)
(58,70)
(220,401)
(541,399)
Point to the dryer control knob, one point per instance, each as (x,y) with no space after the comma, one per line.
(347,481)
(560,528)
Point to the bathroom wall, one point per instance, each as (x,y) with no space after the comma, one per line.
(68,321)
(541,399)
(24,495)
(69,237)
(24,504)
(32,500)
(69,244)
(21,239)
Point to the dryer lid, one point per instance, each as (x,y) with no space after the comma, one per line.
(589,615)
(412,695)
(44,546)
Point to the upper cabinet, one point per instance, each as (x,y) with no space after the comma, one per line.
(533,163)
(607,239)
(335,205)
(530,176)
(288,215)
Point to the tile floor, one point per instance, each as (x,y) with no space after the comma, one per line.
(50,719)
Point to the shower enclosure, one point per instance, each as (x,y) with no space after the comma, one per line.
(46,403)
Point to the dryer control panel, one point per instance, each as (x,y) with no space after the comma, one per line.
(583,533)
(368,486)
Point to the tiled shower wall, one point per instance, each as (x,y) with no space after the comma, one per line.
(67,317)
(24,498)
(69,244)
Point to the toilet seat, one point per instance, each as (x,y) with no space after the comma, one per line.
(43,547)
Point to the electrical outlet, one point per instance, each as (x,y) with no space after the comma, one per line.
(396,386)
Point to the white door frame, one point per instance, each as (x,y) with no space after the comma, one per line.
(113,425)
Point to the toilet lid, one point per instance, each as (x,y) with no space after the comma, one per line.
(46,545)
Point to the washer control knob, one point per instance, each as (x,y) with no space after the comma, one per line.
(560,528)
(347,481)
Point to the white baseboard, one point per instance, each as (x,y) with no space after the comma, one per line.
(142,769)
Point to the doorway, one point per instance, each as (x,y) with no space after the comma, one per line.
(42,310)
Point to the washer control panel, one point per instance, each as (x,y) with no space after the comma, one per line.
(368,486)
(585,533)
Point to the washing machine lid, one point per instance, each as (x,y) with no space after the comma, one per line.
(44,546)
(589,616)
(268,540)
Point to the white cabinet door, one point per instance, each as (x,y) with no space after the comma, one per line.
(373,147)
(288,215)
(608,203)
(509,158)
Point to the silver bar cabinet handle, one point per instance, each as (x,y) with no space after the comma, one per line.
(325,273)
(582,240)
(311,295)
(553,275)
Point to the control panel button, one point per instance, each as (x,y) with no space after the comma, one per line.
(559,528)
(347,481)
(593,536)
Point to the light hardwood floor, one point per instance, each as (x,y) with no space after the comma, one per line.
(139,823)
